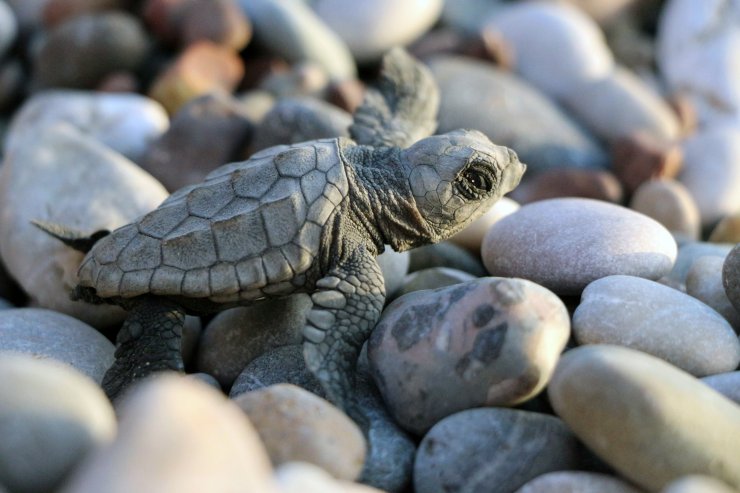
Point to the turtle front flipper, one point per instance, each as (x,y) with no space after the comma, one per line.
(346,306)
(149,341)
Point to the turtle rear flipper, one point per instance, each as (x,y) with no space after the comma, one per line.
(71,237)
(402,108)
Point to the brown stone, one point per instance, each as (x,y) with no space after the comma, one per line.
(685,109)
(727,230)
(163,17)
(256,69)
(569,182)
(346,94)
(641,157)
(670,203)
(219,21)
(119,82)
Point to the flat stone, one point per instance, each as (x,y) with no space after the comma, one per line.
(177,435)
(704,282)
(296,425)
(570,182)
(488,342)
(373,27)
(727,384)
(475,94)
(471,237)
(661,321)
(236,337)
(697,483)
(577,482)
(558,48)
(33,186)
(731,276)
(445,254)
(394,266)
(127,123)
(537,243)
(8,28)
(621,403)
(47,334)
(454,457)
(670,203)
(711,171)
(51,418)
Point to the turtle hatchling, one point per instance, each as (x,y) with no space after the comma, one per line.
(304,218)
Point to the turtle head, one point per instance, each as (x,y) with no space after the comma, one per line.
(457,176)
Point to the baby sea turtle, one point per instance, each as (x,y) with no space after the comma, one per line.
(305,218)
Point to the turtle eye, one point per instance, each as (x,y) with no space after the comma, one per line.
(475,181)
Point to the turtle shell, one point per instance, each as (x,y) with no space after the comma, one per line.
(250,229)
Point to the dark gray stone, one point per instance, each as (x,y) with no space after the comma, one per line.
(731,276)
(446,254)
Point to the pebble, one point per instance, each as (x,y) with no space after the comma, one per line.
(57,11)
(577,482)
(689,252)
(302,477)
(445,254)
(727,230)
(661,321)
(220,21)
(636,411)
(537,243)
(704,282)
(455,456)
(80,52)
(558,48)
(621,104)
(47,334)
(35,187)
(51,417)
(711,171)
(394,266)
(28,13)
(205,133)
(127,123)
(489,342)
(471,237)
(469,16)
(433,278)
(731,276)
(237,336)
(201,68)
(570,182)
(205,378)
(8,28)
(603,11)
(670,203)
(290,29)
(176,434)
(300,79)
(296,425)
(475,94)
(727,384)
(696,33)
(294,120)
(372,27)
(640,157)
(696,483)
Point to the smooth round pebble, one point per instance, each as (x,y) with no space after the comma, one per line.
(727,384)
(731,276)
(557,46)
(488,342)
(697,484)
(670,203)
(127,123)
(577,482)
(727,230)
(48,334)
(394,266)
(658,320)
(638,412)
(237,336)
(35,184)
(704,282)
(372,27)
(8,28)
(433,278)
(538,243)
(472,236)
(456,455)
(688,253)
(296,425)
(51,418)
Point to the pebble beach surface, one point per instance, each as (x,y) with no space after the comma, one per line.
(579,337)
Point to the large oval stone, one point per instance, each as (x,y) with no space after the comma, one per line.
(646,418)
(475,449)
(651,317)
(564,244)
(488,342)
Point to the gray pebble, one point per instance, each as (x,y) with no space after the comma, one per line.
(432,278)
(445,254)
(704,282)
(688,253)
(727,384)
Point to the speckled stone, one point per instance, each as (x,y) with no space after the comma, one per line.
(704,282)
(8,28)
(537,243)
(653,318)
(394,266)
(237,336)
(127,123)
(696,483)
(577,482)
(445,254)
(51,417)
(80,52)
(47,334)
(475,94)
(372,27)
(489,342)
(727,384)
(296,425)
(670,203)
(433,278)
(455,456)
(177,434)
(557,46)
(33,186)
(731,276)
(622,404)
(471,237)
